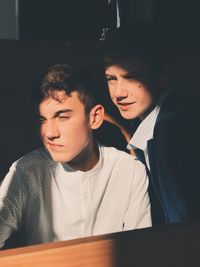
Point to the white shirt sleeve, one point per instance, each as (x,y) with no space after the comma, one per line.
(138,214)
(12,201)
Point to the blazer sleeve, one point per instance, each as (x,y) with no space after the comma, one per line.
(177,162)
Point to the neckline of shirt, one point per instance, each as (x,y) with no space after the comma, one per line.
(70,171)
(145,130)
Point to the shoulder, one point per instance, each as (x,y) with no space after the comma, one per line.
(177,126)
(38,156)
(178,103)
(31,164)
(115,153)
(122,159)
(29,171)
(177,112)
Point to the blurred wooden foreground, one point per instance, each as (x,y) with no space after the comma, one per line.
(175,245)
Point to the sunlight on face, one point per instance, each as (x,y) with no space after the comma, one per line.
(64,128)
(131,97)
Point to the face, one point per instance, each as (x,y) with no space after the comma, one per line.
(130,96)
(65,129)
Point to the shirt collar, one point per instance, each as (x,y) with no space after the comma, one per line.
(145,130)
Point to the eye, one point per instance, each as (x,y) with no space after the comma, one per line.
(129,76)
(63,117)
(41,120)
(110,78)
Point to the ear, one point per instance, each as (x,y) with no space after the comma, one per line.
(96,116)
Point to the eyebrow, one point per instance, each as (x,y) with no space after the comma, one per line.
(114,75)
(57,113)
(108,74)
(126,75)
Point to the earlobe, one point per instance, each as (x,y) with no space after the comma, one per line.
(96,116)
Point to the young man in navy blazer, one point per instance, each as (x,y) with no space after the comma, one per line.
(166,129)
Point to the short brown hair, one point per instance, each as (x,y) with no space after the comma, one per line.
(63,77)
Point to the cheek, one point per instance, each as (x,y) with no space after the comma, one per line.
(41,130)
(74,131)
(82,130)
(144,97)
(147,100)
(111,91)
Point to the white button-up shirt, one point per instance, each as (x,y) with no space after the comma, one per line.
(50,201)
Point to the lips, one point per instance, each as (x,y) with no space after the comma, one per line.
(53,146)
(125,106)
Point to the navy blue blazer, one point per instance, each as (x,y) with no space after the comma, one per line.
(174,157)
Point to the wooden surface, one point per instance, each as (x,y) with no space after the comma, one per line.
(167,246)
(83,252)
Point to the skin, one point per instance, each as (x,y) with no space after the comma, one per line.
(131,97)
(66,130)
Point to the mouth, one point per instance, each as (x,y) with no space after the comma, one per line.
(125,106)
(53,146)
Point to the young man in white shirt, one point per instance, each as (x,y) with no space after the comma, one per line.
(72,187)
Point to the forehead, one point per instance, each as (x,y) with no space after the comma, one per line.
(115,69)
(59,100)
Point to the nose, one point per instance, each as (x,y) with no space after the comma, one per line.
(120,91)
(52,131)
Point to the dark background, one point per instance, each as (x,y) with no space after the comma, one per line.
(76,20)
(53,31)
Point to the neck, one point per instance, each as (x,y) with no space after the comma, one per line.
(144,115)
(87,159)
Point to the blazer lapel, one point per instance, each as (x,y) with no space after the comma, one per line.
(151,149)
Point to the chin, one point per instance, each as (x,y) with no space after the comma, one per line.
(129,116)
(60,158)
